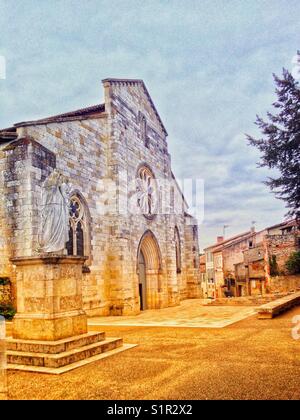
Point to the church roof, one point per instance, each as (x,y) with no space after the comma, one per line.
(88,112)
(91,111)
(8,134)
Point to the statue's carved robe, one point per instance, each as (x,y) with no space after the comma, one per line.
(54,230)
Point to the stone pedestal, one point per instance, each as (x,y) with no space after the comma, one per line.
(49,298)
(49,333)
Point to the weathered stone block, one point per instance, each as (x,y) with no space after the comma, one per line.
(45,310)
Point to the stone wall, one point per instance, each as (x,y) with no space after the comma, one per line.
(192,287)
(234,254)
(280,246)
(127,152)
(80,148)
(280,284)
(24,165)
(94,154)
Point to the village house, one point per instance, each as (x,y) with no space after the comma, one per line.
(246,264)
(265,263)
(207,283)
(224,255)
(135,260)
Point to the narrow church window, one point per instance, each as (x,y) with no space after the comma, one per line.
(177,250)
(79,240)
(172,199)
(144,130)
(195,232)
(70,243)
(195,263)
(78,231)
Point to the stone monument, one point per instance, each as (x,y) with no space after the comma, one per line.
(49,332)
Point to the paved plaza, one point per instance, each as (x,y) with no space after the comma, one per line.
(250,359)
(191,313)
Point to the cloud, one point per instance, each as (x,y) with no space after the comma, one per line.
(208,66)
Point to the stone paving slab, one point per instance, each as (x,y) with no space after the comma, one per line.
(192,313)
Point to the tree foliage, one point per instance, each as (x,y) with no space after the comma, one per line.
(280,142)
(293,263)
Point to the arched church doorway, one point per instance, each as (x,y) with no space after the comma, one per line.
(142,282)
(149,271)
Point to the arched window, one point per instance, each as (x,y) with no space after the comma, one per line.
(195,232)
(144,130)
(172,200)
(177,250)
(79,238)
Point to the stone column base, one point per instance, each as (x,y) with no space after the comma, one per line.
(49,328)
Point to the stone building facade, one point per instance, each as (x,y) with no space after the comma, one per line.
(247,264)
(225,255)
(127,212)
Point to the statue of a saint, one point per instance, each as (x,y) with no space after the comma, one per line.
(54,228)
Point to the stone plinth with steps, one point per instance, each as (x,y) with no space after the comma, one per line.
(49,299)
(62,355)
(49,332)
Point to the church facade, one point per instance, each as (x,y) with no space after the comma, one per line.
(127,214)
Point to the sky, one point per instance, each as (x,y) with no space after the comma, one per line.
(208,66)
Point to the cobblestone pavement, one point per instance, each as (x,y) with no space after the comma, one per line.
(191,313)
(251,359)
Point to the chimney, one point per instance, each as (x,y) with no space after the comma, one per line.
(220,239)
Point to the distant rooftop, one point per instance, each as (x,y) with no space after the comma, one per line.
(240,237)
(231,240)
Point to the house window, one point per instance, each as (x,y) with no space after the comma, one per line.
(209,257)
(78,243)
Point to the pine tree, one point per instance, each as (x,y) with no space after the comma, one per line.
(280,142)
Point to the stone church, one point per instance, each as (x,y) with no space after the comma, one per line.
(127,214)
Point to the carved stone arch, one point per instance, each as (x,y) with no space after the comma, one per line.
(149,246)
(149,268)
(79,226)
(146,165)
